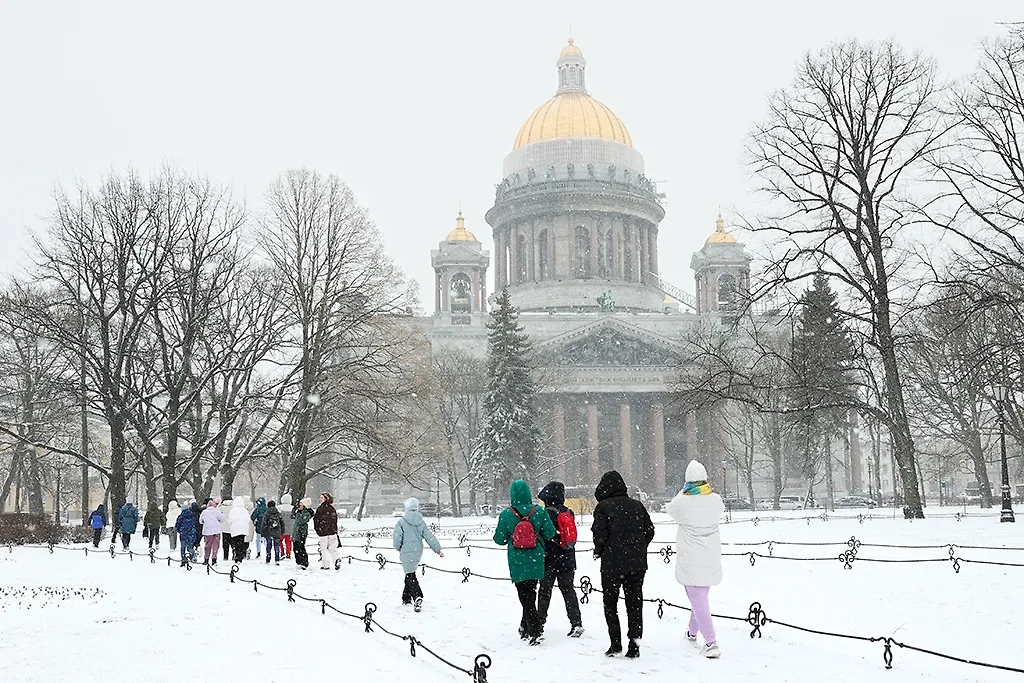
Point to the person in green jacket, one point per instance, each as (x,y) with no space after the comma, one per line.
(526,562)
(302,515)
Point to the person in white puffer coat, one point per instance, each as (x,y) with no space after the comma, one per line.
(697,511)
(251,532)
(225,538)
(173,510)
(285,508)
(238,523)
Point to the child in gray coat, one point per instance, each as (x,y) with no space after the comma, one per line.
(410,532)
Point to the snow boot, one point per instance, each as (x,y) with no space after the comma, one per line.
(614,651)
(537,640)
(633,651)
(576,631)
(522,634)
(418,605)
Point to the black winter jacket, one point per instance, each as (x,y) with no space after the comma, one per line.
(622,528)
(556,558)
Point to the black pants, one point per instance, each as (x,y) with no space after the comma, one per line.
(125,539)
(154,536)
(97,534)
(301,556)
(568,591)
(632,585)
(530,623)
(412,589)
(238,544)
(225,540)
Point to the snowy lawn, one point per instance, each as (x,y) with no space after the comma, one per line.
(149,615)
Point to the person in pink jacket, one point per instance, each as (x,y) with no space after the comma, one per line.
(698,511)
(211,519)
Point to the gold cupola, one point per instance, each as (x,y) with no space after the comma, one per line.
(572,112)
(460,234)
(720,236)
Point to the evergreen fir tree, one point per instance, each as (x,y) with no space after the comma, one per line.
(510,437)
(822,362)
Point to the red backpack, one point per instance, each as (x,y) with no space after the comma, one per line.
(566,523)
(524,536)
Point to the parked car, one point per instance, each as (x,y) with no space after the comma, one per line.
(428,509)
(855,502)
(738,504)
(791,503)
(398,512)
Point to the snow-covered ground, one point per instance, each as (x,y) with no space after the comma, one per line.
(164,624)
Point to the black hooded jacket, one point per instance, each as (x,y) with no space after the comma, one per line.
(556,558)
(622,528)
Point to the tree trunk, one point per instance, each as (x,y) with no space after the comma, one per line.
(830,485)
(227,481)
(977,455)
(35,482)
(12,476)
(367,476)
(118,484)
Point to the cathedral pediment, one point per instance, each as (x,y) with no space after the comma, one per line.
(609,345)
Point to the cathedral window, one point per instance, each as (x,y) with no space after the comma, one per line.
(522,259)
(461,294)
(582,252)
(728,293)
(609,253)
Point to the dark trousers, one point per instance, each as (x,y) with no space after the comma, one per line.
(301,556)
(125,539)
(412,589)
(225,541)
(632,584)
(238,543)
(97,534)
(568,591)
(154,536)
(530,624)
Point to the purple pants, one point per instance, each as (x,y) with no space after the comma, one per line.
(212,546)
(700,616)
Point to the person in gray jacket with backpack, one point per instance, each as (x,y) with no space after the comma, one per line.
(410,532)
(560,559)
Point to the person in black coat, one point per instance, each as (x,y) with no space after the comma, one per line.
(622,532)
(559,563)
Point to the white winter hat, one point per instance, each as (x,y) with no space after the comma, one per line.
(696,472)
(308,502)
(171,505)
(286,499)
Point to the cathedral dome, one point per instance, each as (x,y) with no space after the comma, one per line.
(572,115)
(572,112)
(720,236)
(460,234)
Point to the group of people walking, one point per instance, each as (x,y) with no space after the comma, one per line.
(231,526)
(541,553)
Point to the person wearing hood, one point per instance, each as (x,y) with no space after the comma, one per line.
(251,530)
(301,516)
(257,519)
(622,531)
(154,521)
(410,533)
(98,520)
(286,509)
(238,525)
(127,521)
(187,525)
(211,520)
(197,512)
(225,530)
(325,524)
(273,527)
(170,519)
(525,553)
(559,562)
(697,510)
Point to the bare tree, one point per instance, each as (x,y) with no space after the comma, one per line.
(838,153)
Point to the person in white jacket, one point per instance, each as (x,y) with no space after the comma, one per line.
(172,516)
(238,523)
(225,529)
(211,519)
(285,508)
(698,511)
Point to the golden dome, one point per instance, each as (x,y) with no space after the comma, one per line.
(720,236)
(460,234)
(572,115)
(571,49)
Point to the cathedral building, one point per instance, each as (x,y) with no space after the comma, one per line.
(574,228)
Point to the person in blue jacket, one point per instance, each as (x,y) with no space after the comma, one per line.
(410,532)
(98,520)
(127,521)
(187,525)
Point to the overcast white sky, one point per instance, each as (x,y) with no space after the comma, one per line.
(414,104)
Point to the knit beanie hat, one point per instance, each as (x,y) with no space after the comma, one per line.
(696,472)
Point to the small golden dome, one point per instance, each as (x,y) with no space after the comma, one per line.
(720,236)
(460,234)
(571,49)
(572,115)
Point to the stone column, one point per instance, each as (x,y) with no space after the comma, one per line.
(658,443)
(446,290)
(635,254)
(499,258)
(652,241)
(437,291)
(553,269)
(625,443)
(513,238)
(558,417)
(592,224)
(593,458)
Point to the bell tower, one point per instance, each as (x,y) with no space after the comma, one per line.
(460,276)
(721,272)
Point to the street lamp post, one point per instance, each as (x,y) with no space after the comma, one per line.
(1006,514)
